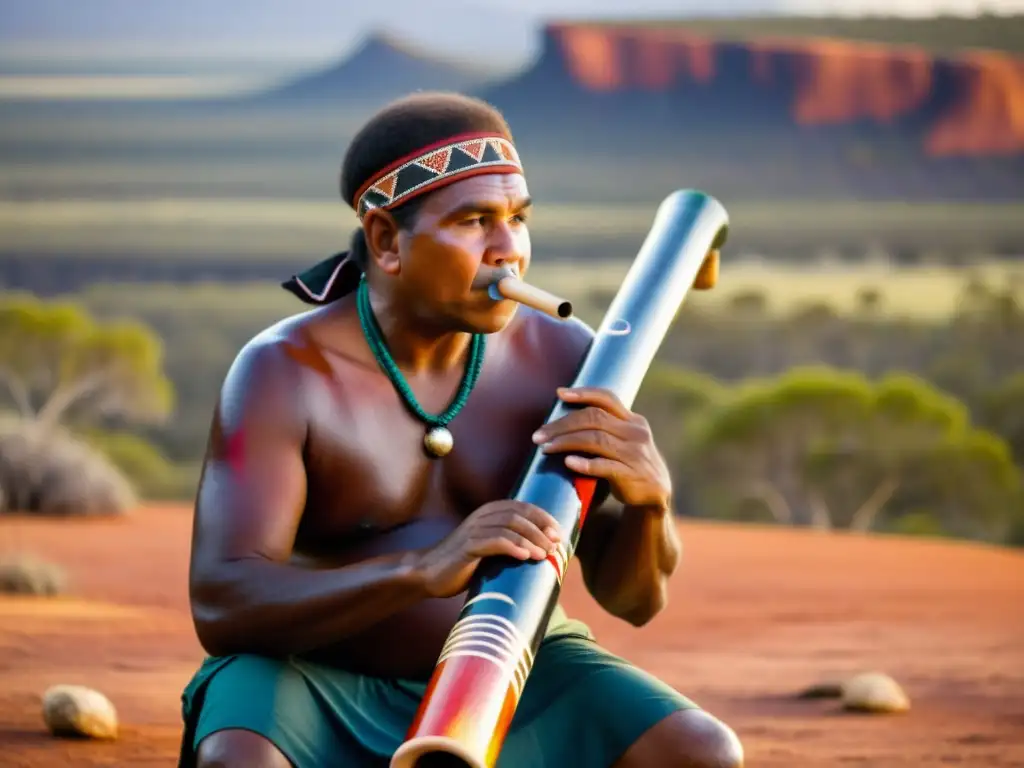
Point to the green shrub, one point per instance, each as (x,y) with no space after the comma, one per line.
(917,524)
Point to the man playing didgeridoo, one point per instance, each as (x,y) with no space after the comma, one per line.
(333,543)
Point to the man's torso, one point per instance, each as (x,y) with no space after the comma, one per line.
(371,489)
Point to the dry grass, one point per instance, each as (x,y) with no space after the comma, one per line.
(920,292)
(927,293)
(50,472)
(25,574)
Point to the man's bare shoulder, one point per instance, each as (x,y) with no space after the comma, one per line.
(270,353)
(551,345)
(272,367)
(302,341)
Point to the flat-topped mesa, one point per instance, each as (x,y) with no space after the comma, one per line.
(969,104)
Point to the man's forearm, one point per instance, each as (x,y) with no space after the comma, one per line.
(261,606)
(641,552)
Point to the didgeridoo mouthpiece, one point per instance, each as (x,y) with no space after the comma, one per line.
(511,287)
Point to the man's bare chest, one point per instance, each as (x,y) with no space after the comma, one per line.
(367,470)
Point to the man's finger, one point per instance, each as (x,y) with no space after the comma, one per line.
(499,545)
(541,518)
(597,467)
(531,531)
(583,419)
(596,396)
(593,441)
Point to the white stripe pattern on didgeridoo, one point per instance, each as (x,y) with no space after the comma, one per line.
(492,638)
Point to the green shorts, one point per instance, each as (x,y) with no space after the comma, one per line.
(581,706)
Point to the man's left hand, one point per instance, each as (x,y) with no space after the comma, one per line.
(617,445)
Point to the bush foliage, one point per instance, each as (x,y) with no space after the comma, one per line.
(869,419)
(47,471)
(24,574)
(832,449)
(63,371)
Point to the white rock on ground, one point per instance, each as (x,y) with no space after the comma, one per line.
(874,692)
(74,710)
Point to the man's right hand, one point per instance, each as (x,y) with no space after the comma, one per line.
(506,527)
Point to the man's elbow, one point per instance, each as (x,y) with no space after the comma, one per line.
(214,617)
(638,605)
(643,610)
(213,629)
(210,639)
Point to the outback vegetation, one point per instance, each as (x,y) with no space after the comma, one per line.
(73,386)
(802,413)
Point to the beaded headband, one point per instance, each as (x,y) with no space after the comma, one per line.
(436,166)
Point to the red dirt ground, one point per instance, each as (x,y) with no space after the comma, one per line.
(756,614)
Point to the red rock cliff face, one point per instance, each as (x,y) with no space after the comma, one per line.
(972,105)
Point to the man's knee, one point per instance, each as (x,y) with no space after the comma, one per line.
(236,748)
(689,738)
(703,741)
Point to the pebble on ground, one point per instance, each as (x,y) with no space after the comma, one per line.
(77,711)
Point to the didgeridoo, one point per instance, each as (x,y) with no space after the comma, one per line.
(473,693)
(508,286)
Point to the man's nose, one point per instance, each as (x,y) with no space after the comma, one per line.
(505,247)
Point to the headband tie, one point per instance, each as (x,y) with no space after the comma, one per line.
(436,166)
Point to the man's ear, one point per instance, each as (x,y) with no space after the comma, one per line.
(382,240)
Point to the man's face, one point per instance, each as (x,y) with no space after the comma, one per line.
(464,233)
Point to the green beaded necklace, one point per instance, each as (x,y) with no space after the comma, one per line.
(438,441)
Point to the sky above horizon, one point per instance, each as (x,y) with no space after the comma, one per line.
(266,25)
(268,38)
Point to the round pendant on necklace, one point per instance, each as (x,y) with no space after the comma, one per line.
(438,441)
